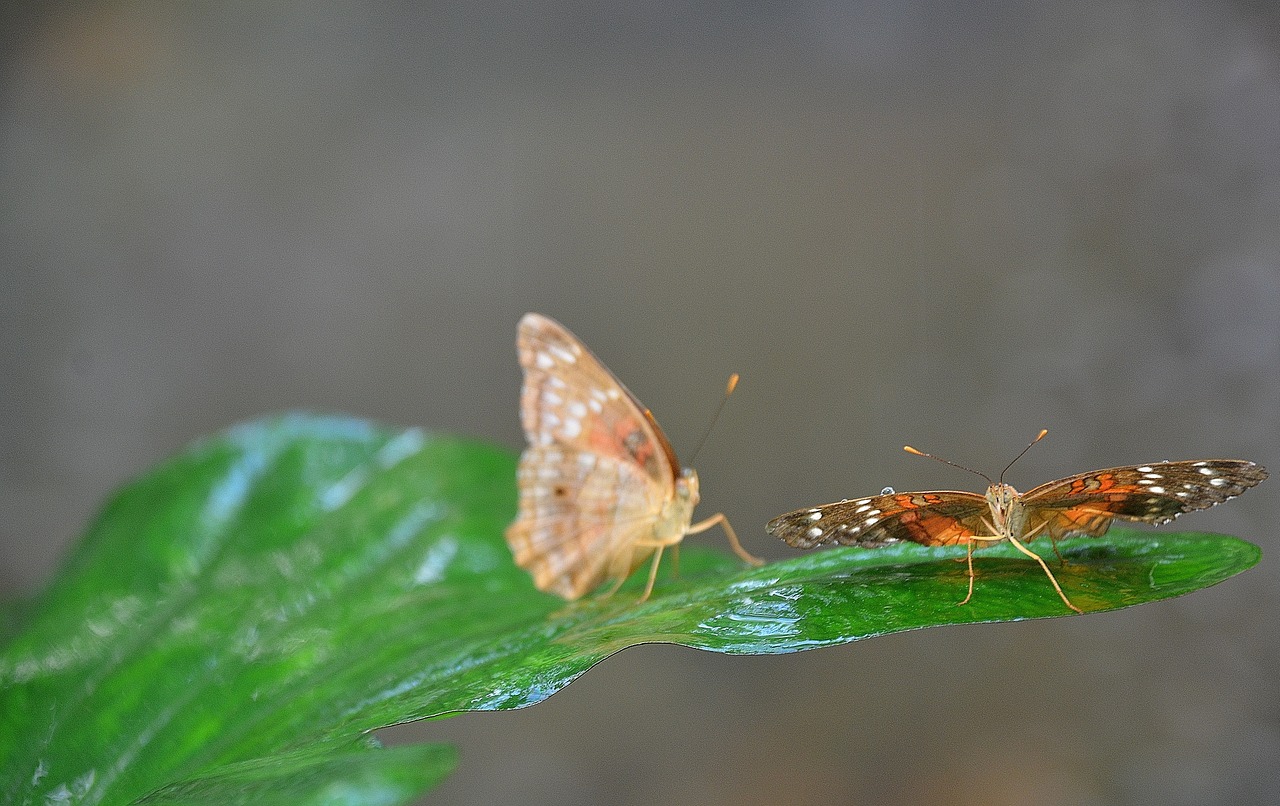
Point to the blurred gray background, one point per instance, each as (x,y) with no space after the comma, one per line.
(900,222)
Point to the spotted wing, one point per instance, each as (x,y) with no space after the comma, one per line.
(1156,493)
(579,518)
(597,469)
(928,518)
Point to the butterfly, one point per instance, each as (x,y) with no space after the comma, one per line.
(600,487)
(1083,504)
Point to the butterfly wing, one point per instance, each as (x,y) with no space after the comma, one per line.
(571,399)
(928,518)
(597,470)
(1156,493)
(580,516)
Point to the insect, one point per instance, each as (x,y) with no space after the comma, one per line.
(1084,504)
(600,487)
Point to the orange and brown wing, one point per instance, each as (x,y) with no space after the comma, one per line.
(569,398)
(1156,493)
(930,518)
(597,469)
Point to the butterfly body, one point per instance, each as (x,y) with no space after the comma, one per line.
(676,515)
(601,490)
(1008,512)
(1085,504)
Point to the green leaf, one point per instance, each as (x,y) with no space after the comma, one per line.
(237,621)
(13,615)
(322,777)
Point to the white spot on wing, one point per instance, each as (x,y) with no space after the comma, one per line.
(815,531)
(564,355)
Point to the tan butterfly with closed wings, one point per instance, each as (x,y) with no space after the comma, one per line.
(600,487)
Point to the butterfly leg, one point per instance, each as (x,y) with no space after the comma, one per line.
(1045,566)
(969,558)
(613,588)
(1062,561)
(1053,541)
(653,574)
(702,526)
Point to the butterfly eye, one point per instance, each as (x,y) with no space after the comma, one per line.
(687,484)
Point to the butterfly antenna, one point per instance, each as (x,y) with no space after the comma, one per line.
(1039,437)
(915,452)
(728,390)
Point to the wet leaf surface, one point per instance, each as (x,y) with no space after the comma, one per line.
(237,621)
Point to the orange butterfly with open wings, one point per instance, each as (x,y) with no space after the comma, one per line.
(1084,504)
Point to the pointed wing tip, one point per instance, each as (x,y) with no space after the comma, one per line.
(538,321)
(781,523)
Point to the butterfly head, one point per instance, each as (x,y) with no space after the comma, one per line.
(687,487)
(677,513)
(1006,508)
